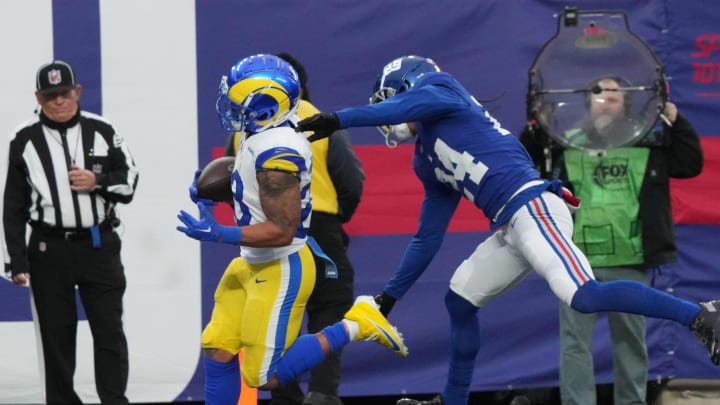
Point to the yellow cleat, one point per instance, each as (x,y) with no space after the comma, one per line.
(374,326)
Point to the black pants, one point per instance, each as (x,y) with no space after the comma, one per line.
(330,299)
(57,265)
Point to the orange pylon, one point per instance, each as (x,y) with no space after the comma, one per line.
(248,396)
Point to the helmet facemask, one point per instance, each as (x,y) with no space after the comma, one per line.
(386,130)
(398,77)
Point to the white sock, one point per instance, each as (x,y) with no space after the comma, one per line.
(352,327)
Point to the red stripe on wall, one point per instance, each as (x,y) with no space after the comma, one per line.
(697,200)
(393,195)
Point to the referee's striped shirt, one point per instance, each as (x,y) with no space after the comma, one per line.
(37,189)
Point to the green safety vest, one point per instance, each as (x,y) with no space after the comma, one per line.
(607,226)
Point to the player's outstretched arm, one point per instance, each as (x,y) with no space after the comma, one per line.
(323,124)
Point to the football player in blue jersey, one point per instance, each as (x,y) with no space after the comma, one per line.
(261,297)
(462,151)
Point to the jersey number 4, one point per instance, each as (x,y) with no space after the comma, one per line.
(460,170)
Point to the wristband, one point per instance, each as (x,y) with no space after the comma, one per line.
(230,234)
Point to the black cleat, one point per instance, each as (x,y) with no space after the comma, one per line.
(437,400)
(318,398)
(706,326)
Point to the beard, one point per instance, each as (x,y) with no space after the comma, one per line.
(610,131)
(605,123)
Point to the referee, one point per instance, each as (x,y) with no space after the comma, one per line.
(67,170)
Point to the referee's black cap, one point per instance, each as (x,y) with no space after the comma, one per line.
(55,77)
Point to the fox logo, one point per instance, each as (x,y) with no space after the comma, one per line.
(611,174)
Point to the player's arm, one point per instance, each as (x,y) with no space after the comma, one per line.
(438,207)
(279,194)
(281,201)
(437,210)
(420,103)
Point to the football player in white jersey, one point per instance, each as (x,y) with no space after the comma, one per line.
(261,297)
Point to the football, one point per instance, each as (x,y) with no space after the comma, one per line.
(214,180)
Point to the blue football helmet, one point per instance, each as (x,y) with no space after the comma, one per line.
(260,92)
(400,75)
(396,77)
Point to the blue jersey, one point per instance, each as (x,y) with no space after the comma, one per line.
(460,151)
(459,146)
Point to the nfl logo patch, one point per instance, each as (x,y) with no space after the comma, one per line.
(54,76)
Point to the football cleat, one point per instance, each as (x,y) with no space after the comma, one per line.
(318,398)
(374,326)
(706,326)
(437,400)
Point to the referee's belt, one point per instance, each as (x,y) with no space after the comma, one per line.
(68,233)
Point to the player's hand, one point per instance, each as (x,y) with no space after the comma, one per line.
(323,124)
(206,228)
(572,202)
(194,193)
(386,303)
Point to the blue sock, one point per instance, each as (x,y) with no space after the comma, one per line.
(222,382)
(306,352)
(336,335)
(303,355)
(464,346)
(635,298)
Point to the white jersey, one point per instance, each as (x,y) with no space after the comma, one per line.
(280,149)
